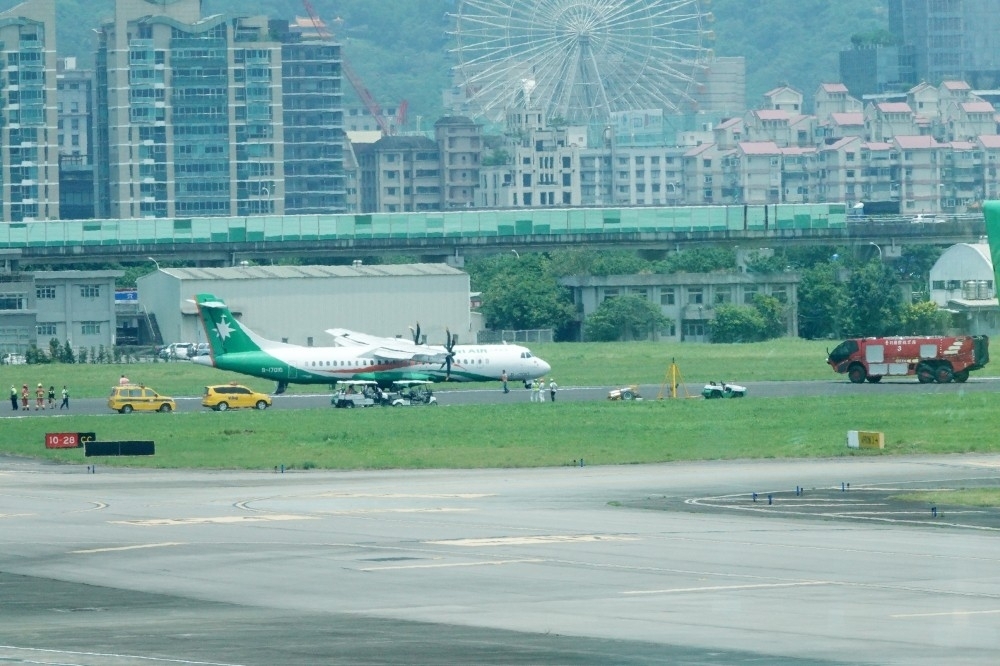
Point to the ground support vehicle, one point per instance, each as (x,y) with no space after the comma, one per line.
(128,398)
(625,393)
(932,358)
(177,350)
(723,390)
(412,392)
(234,396)
(358,393)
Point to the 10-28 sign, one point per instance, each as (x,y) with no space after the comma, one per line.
(68,440)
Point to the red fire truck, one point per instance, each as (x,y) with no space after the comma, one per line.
(931,359)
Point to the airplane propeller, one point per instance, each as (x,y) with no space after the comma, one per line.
(416,333)
(449,346)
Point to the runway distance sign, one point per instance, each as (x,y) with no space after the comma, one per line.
(68,440)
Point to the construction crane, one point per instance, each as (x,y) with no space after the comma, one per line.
(359,87)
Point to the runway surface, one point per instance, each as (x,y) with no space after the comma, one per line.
(658,564)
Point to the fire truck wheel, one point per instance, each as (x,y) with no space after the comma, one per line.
(960,377)
(874,379)
(925,373)
(943,374)
(857,374)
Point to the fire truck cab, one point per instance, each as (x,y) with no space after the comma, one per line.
(932,359)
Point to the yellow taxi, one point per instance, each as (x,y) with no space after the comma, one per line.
(233,396)
(128,398)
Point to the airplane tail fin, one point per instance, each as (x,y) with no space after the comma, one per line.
(991,209)
(224,333)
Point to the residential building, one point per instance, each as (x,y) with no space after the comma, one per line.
(73,307)
(311,102)
(188,110)
(29,154)
(949,39)
(688,300)
(407,175)
(460,145)
(75,92)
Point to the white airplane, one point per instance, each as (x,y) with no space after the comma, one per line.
(236,348)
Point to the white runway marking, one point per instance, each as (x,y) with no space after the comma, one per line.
(220,520)
(405,496)
(366,512)
(446,565)
(532,540)
(720,588)
(103,657)
(946,614)
(121,548)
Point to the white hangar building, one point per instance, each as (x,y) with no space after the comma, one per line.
(297,304)
(962,282)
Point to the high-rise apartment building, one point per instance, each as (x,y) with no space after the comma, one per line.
(189,112)
(29,154)
(313,118)
(948,39)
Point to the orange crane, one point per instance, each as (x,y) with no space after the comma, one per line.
(359,87)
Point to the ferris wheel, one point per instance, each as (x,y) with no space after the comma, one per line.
(579,60)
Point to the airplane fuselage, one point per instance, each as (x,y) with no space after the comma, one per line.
(326,365)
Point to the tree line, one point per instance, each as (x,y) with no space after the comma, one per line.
(846,292)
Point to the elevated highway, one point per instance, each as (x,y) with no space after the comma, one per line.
(450,237)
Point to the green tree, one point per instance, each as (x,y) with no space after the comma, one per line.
(821,299)
(698,260)
(871,303)
(772,315)
(923,318)
(624,318)
(523,293)
(736,323)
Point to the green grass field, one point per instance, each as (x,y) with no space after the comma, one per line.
(573,364)
(521,434)
(527,435)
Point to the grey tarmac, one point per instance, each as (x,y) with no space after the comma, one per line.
(556,565)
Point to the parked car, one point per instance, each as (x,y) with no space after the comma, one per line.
(200,349)
(412,392)
(358,393)
(176,350)
(234,396)
(128,398)
(723,390)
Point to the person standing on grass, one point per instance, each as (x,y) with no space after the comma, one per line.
(553,387)
(13,397)
(65,398)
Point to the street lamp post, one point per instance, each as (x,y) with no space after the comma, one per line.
(155,263)
(879,250)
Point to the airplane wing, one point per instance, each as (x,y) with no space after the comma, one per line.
(390,349)
(343,337)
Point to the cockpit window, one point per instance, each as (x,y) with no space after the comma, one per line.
(525,354)
(843,351)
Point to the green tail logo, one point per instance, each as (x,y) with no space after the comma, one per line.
(225,335)
(992,211)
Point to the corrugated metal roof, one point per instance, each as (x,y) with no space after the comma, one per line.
(300,272)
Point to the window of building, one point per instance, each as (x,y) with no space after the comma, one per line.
(668,296)
(722,295)
(696,295)
(780,293)
(639,292)
(954,284)
(90,327)
(90,291)
(610,292)
(694,329)
(45,292)
(937,284)
(13,301)
(707,164)
(749,292)
(45,330)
